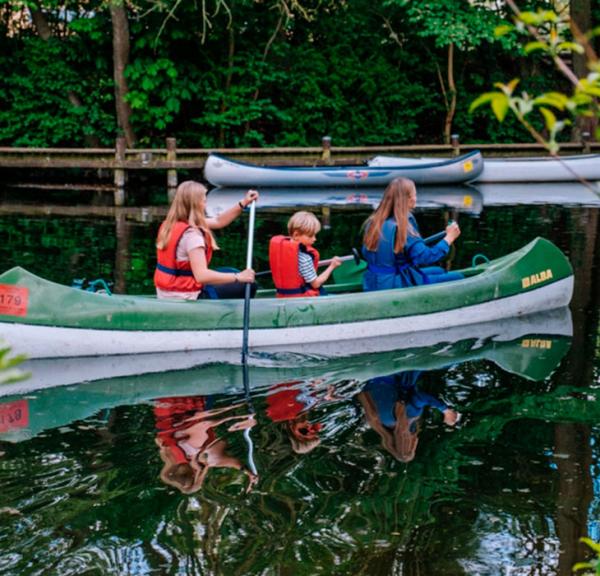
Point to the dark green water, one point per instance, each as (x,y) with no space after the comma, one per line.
(152,474)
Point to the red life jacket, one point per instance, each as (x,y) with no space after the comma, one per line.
(174,275)
(283,260)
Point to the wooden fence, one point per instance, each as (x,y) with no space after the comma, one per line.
(120,160)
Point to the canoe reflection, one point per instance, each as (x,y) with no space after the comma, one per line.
(393,406)
(189,443)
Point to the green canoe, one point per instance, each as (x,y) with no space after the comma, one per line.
(44,320)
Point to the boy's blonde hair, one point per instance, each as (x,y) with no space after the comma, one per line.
(303,223)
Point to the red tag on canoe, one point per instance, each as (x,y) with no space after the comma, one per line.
(13,300)
(14,415)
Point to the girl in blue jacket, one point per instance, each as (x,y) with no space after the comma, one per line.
(396,254)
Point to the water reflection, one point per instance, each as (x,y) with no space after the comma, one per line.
(289,403)
(190,443)
(394,406)
(510,489)
(169,466)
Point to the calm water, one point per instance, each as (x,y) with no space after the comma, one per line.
(477,456)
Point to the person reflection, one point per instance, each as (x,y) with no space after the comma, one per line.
(289,403)
(188,442)
(393,407)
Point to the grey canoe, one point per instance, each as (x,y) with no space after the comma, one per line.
(222,171)
(525,169)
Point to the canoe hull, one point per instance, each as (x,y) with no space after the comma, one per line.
(222,171)
(323,339)
(43,319)
(526,169)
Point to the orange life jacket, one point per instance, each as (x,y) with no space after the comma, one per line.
(283,259)
(174,275)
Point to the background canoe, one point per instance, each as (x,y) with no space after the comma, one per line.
(45,319)
(525,169)
(222,171)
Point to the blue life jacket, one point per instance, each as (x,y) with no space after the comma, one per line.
(385,269)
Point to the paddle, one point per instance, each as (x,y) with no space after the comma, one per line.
(354,256)
(248,286)
(246,329)
(434,237)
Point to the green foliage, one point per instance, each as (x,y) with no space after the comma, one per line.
(8,366)
(247,73)
(464,24)
(593,566)
(556,109)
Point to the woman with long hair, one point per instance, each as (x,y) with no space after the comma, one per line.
(185,244)
(395,252)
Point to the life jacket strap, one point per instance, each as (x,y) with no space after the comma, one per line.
(173,271)
(387,269)
(292,291)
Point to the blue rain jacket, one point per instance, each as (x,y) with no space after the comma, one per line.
(386,270)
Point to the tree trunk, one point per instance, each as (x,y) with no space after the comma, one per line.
(452,90)
(120,28)
(581,22)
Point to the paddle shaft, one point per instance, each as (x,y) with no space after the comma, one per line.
(434,237)
(248,289)
(437,237)
(245,367)
(325,262)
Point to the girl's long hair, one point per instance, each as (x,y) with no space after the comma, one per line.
(187,206)
(395,203)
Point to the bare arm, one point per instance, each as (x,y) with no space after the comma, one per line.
(227,217)
(204,275)
(324,276)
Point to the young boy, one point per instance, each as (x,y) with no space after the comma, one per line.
(294,261)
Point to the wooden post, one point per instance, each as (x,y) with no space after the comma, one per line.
(326,154)
(585,142)
(120,176)
(454,141)
(326,217)
(171,172)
